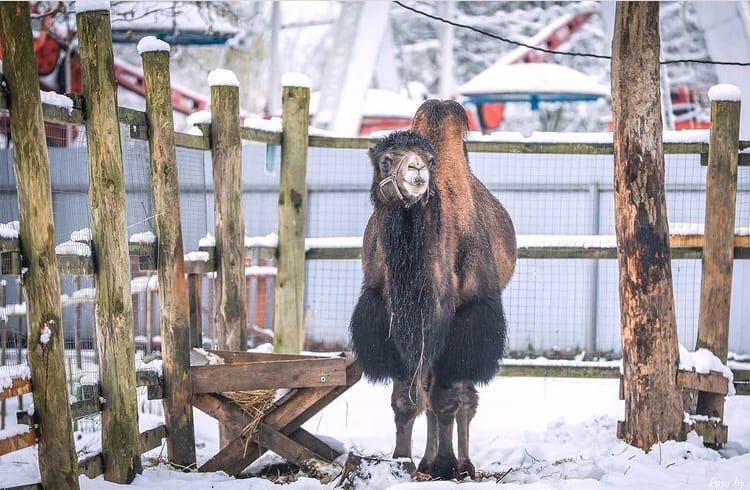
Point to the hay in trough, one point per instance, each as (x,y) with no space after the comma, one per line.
(255,404)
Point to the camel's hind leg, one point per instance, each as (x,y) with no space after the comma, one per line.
(405,410)
(467,408)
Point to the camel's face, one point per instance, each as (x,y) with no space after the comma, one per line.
(402,165)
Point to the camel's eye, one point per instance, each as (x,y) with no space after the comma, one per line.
(431,163)
(385,164)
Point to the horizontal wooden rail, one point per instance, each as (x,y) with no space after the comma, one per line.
(18,386)
(18,441)
(93,466)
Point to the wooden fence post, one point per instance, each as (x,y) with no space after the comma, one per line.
(289,296)
(226,153)
(114,315)
(196,315)
(718,251)
(58,462)
(653,403)
(174,315)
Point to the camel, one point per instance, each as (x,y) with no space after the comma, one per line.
(437,253)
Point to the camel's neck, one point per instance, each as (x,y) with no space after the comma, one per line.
(417,302)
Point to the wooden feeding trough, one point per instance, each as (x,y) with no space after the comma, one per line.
(313,383)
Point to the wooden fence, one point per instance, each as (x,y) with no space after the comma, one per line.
(180,302)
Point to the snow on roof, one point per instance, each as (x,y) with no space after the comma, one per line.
(151,43)
(224,77)
(89,5)
(724,91)
(295,80)
(533,78)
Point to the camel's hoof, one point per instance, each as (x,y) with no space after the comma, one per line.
(409,467)
(466,468)
(444,467)
(425,467)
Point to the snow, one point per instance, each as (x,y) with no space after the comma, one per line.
(194,130)
(90,5)
(139,284)
(207,241)
(196,257)
(541,433)
(533,78)
(200,117)
(155,365)
(223,77)
(260,271)
(9,230)
(9,373)
(58,100)
(82,235)
(273,124)
(46,334)
(151,43)
(145,237)
(268,241)
(73,248)
(724,91)
(384,103)
(573,241)
(293,79)
(703,361)
(334,242)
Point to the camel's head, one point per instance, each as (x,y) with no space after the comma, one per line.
(402,163)
(443,123)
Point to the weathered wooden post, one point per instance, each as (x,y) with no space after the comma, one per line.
(653,403)
(289,296)
(718,249)
(196,315)
(58,463)
(173,299)
(226,153)
(114,316)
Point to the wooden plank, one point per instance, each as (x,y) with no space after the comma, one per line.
(742,389)
(268,375)
(8,245)
(713,382)
(151,438)
(326,452)
(18,441)
(174,307)
(93,466)
(532,370)
(289,449)
(714,433)
(28,486)
(235,357)
(260,136)
(84,408)
(194,141)
(741,375)
(289,293)
(114,318)
(46,343)
(18,386)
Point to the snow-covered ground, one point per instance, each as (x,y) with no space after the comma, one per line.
(541,433)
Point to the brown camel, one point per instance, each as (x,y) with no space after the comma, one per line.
(438,251)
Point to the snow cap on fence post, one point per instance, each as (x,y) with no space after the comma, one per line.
(724,91)
(223,77)
(293,79)
(91,5)
(151,43)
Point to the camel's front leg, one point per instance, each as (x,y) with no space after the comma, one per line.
(431,448)
(444,402)
(405,410)
(467,408)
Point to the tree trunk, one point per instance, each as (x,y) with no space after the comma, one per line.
(173,297)
(114,314)
(58,463)
(653,405)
